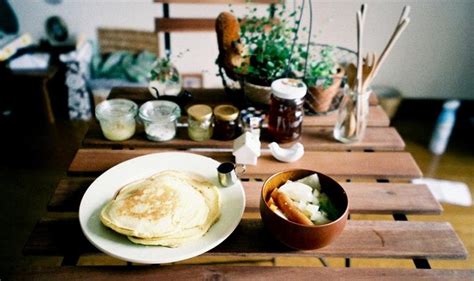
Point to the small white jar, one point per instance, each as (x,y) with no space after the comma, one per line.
(117,118)
(159,118)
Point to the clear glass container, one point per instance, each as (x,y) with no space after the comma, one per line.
(286,110)
(226,124)
(160,119)
(199,122)
(352,116)
(165,79)
(117,118)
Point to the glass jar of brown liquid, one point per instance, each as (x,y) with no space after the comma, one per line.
(226,123)
(286,110)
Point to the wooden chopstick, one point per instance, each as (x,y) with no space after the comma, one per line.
(401,26)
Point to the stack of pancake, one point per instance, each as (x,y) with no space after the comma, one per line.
(166,209)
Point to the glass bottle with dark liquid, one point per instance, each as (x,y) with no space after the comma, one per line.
(286,110)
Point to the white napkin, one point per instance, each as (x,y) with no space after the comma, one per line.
(452,192)
(30,61)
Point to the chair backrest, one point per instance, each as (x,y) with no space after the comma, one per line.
(169,25)
(135,41)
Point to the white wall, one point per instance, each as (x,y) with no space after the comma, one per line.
(433,58)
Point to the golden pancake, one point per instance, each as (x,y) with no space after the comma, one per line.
(167,209)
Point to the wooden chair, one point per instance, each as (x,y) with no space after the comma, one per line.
(169,25)
(135,41)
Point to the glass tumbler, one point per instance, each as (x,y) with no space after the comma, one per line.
(352,116)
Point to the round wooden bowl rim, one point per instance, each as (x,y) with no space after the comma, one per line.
(341,217)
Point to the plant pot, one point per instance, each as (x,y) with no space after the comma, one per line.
(320,99)
(257,94)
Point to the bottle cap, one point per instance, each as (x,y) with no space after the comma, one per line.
(451,104)
(226,112)
(200,112)
(287,88)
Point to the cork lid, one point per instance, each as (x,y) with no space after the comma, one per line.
(200,112)
(226,112)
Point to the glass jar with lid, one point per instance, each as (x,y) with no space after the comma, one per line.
(286,110)
(159,118)
(226,124)
(199,122)
(117,118)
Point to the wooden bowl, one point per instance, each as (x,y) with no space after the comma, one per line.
(295,235)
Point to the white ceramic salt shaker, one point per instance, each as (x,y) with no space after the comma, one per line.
(246,149)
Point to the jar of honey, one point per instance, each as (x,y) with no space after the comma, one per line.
(226,124)
(286,110)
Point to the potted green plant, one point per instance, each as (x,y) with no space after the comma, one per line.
(323,78)
(164,78)
(260,51)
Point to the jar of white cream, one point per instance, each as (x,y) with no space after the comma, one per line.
(117,118)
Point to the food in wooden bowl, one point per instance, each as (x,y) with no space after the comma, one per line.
(303,209)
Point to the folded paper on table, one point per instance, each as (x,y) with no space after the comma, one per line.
(445,191)
(30,61)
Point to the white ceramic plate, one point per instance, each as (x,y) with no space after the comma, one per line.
(104,188)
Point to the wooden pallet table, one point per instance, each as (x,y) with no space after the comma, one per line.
(376,173)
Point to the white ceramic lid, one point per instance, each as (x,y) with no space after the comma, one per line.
(287,88)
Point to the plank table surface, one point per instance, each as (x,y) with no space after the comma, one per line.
(375,173)
(236,273)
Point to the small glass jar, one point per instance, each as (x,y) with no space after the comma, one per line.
(159,118)
(286,110)
(117,118)
(226,123)
(352,116)
(199,122)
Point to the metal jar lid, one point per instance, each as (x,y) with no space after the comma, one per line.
(200,112)
(226,112)
(287,88)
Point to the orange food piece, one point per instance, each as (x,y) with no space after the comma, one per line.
(289,209)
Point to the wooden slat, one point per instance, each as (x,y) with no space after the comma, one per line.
(378,165)
(365,198)
(377,116)
(184,25)
(313,139)
(364,239)
(196,272)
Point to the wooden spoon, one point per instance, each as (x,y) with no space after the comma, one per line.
(368,67)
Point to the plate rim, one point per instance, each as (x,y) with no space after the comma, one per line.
(203,250)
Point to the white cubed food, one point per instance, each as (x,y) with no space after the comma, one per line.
(297,191)
(311,180)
